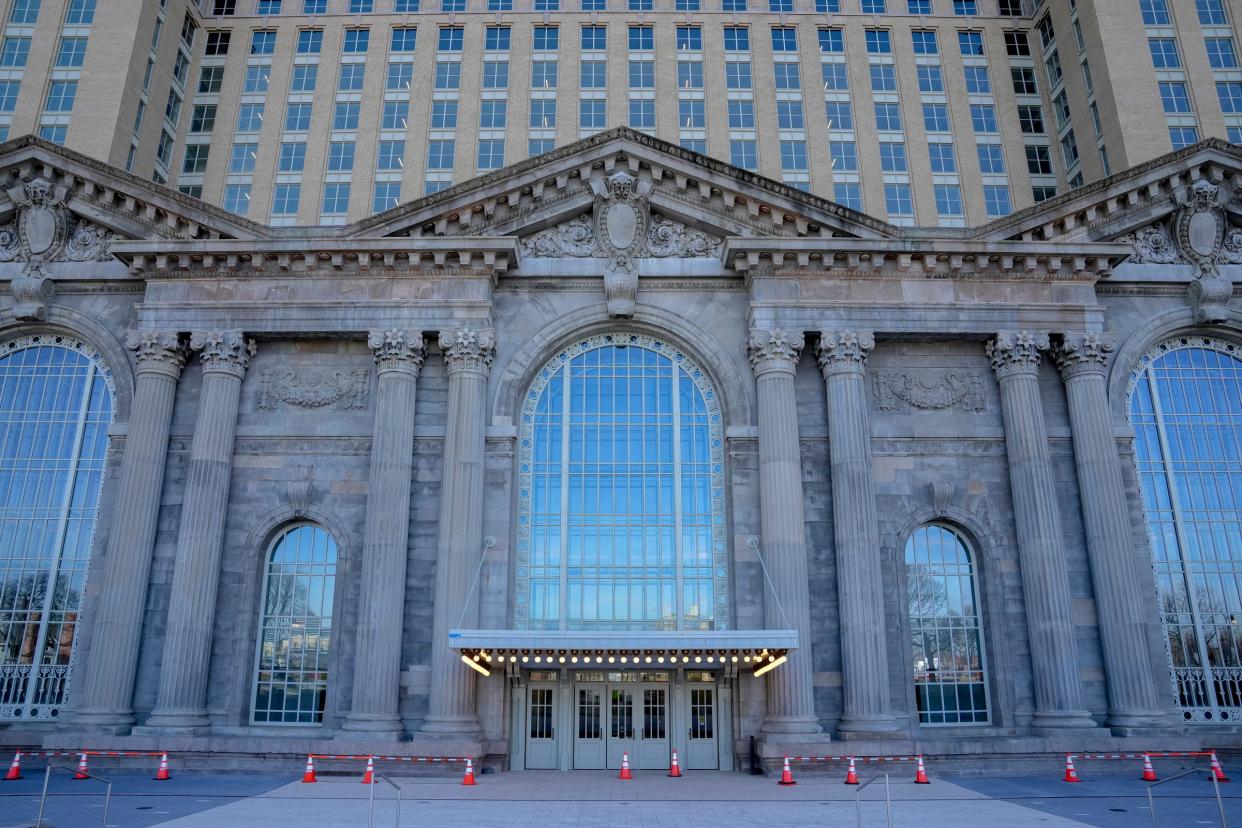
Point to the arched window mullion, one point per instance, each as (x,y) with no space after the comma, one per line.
(1179,530)
(35,688)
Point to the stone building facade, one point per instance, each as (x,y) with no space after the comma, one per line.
(619,448)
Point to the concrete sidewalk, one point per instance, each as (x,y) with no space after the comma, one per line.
(597,798)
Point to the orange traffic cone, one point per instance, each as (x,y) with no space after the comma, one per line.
(368,778)
(787,775)
(81,772)
(161,775)
(920,775)
(468,779)
(1217,770)
(309,774)
(1149,772)
(15,769)
(675,770)
(625,766)
(1071,775)
(851,776)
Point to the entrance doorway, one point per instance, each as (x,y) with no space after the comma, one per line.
(590,720)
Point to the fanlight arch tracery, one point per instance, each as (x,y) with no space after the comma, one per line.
(621,519)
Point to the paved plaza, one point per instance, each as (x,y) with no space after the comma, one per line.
(591,798)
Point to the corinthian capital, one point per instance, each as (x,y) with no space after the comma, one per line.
(227,352)
(1016,352)
(468,349)
(773,350)
(844,351)
(398,350)
(1083,353)
(160,352)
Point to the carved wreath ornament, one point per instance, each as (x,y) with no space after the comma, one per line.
(621,229)
(45,231)
(1198,235)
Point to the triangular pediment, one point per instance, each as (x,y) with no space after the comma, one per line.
(1120,206)
(690,197)
(116,202)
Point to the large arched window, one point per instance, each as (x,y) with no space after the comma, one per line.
(295,633)
(621,494)
(946,644)
(56,404)
(1186,408)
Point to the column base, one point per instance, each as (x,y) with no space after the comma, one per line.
(381,728)
(111,723)
(867,727)
(456,727)
(188,723)
(800,726)
(1049,723)
(1135,722)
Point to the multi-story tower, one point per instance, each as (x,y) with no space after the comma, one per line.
(928,112)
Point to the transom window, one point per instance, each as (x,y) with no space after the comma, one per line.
(621,494)
(946,645)
(1186,408)
(295,633)
(56,404)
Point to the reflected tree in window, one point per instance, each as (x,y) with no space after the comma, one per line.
(1186,408)
(56,405)
(295,634)
(946,643)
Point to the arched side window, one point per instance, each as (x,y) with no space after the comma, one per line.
(950,678)
(621,492)
(1185,405)
(56,404)
(295,632)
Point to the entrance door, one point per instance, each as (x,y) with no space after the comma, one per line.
(701,751)
(621,724)
(653,748)
(541,726)
(589,735)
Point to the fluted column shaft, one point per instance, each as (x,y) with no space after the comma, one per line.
(181,703)
(381,602)
(106,698)
(468,354)
(790,688)
(860,585)
(1045,584)
(1083,362)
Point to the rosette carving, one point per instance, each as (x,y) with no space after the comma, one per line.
(162,352)
(1077,353)
(468,349)
(398,350)
(226,352)
(773,349)
(844,351)
(1016,352)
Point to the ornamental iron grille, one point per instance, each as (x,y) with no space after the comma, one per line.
(1185,403)
(295,634)
(946,645)
(56,405)
(621,492)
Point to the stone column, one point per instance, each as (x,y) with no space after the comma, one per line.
(790,688)
(860,582)
(181,704)
(381,604)
(468,354)
(108,686)
(1083,361)
(1045,584)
